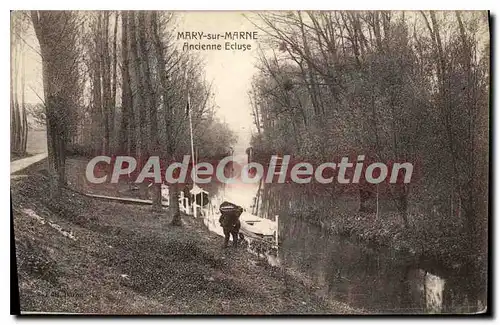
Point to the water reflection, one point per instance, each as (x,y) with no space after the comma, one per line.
(434,287)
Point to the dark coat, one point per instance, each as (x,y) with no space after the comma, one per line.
(230,216)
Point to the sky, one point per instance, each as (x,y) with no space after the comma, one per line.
(230,71)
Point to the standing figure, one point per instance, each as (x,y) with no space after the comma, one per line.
(230,221)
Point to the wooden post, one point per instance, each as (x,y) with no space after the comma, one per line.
(194,206)
(201,208)
(277,229)
(181,201)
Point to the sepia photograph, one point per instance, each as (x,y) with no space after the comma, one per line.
(250,162)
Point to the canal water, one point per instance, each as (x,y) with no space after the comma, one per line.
(375,279)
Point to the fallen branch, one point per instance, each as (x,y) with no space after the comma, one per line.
(123,199)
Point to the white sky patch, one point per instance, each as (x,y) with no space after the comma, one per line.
(230,71)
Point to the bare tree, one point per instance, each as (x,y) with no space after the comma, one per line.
(57,35)
(19,123)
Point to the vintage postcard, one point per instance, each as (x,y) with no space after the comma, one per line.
(255,163)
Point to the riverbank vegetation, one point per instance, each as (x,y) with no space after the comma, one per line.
(394,86)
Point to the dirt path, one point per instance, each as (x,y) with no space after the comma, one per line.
(18,165)
(124,259)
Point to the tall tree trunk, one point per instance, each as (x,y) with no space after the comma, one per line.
(174,205)
(113,82)
(140,107)
(56,34)
(12,93)
(151,101)
(16,117)
(126,117)
(174,208)
(97,90)
(24,120)
(106,83)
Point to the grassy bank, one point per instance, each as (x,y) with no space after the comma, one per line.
(124,259)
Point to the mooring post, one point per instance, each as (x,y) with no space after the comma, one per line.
(201,208)
(181,202)
(277,229)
